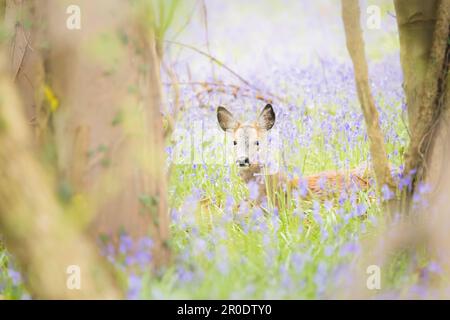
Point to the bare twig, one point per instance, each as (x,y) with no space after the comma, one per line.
(209,87)
(215,60)
(223,65)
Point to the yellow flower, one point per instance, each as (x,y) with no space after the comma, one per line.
(51,98)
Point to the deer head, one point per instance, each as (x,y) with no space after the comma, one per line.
(247,136)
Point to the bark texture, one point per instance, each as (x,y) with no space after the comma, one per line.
(431,97)
(416,20)
(25,24)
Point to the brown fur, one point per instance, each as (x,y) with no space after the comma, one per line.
(334,182)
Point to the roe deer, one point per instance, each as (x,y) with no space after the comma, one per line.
(247,139)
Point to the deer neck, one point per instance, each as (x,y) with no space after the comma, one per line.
(250,173)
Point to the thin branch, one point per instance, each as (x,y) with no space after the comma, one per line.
(215,60)
(219,87)
(223,65)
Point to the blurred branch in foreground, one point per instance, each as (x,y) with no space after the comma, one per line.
(36,232)
(108,128)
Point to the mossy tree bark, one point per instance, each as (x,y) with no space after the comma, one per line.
(416,20)
(426,90)
(25,25)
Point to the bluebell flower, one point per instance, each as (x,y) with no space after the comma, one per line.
(134,287)
(387,194)
(15,276)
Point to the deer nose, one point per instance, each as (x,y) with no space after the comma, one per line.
(243,162)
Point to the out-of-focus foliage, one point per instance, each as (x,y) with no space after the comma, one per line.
(157,16)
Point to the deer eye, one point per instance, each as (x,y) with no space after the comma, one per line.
(257,143)
(235,142)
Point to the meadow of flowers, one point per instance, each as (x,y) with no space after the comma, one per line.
(303,249)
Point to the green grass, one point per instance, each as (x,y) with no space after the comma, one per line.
(263,263)
(226,254)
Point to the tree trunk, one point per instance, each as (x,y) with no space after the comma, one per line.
(355,46)
(431,98)
(107,78)
(416,20)
(24,21)
(36,230)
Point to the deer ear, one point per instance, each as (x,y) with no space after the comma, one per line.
(226,119)
(266,119)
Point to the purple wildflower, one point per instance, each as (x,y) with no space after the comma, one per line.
(387,194)
(134,287)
